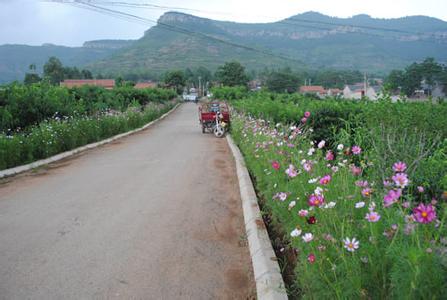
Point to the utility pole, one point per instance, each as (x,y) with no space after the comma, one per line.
(364,83)
(200,86)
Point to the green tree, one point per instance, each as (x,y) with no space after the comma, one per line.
(431,72)
(176,80)
(232,74)
(53,70)
(283,81)
(412,79)
(394,80)
(86,74)
(32,76)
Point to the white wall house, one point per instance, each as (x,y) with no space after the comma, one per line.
(358,92)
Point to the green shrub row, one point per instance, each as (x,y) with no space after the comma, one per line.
(55,136)
(415,132)
(24,105)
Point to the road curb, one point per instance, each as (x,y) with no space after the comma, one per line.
(269,282)
(20,169)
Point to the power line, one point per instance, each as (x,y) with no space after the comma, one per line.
(291,20)
(173,28)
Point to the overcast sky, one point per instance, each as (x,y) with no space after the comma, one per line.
(35,22)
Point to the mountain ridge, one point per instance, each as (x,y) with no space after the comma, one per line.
(311,40)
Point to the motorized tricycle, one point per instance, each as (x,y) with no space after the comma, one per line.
(214,117)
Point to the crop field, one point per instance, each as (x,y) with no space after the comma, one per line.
(355,192)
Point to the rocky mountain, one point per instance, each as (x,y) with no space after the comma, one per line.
(305,41)
(309,40)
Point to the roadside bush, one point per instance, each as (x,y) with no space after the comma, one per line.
(24,105)
(55,136)
(387,131)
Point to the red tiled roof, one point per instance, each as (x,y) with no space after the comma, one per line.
(312,89)
(144,85)
(335,91)
(106,83)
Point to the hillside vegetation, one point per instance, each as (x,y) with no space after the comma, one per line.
(312,40)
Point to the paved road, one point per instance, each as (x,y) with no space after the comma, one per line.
(156,215)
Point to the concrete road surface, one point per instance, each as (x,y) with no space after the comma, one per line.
(156,215)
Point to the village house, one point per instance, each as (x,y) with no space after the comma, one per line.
(320,91)
(254,85)
(334,92)
(357,91)
(105,83)
(436,90)
(317,90)
(145,85)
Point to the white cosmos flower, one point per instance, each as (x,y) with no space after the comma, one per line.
(307,237)
(311,151)
(321,144)
(318,191)
(292,204)
(351,245)
(360,204)
(313,180)
(295,233)
(340,147)
(330,205)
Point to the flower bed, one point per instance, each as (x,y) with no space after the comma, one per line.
(353,236)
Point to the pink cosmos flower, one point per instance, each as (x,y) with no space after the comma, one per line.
(399,167)
(291,171)
(424,213)
(308,237)
(325,180)
(276,165)
(401,180)
(372,217)
(315,200)
(420,189)
(329,155)
(386,183)
(281,196)
(307,114)
(303,213)
(356,150)
(321,144)
(311,258)
(303,120)
(361,183)
(391,197)
(366,192)
(307,166)
(356,171)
